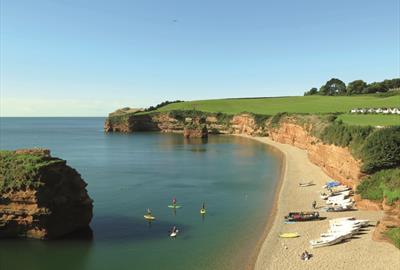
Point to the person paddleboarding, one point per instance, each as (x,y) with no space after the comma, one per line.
(174,201)
(203,209)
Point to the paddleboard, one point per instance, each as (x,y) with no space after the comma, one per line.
(290,222)
(148,217)
(174,206)
(174,233)
(289,235)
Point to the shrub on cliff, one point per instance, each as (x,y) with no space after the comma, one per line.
(385,183)
(276,119)
(162,104)
(19,170)
(381,150)
(394,234)
(344,135)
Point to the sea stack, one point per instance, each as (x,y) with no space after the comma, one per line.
(41,196)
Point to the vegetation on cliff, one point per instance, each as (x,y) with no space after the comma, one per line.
(394,235)
(41,196)
(20,170)
(385,183)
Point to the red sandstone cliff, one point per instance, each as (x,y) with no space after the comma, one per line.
(337,162)
(57,206)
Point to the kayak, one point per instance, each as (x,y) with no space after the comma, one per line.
(289,235)
(202,211)
(148,217)
(174,206)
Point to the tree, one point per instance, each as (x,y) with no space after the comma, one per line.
(375,87)
(381,150)
(392,84)
(356,87)
(312,91)
(333,87)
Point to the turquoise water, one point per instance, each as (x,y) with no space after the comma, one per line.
(236,177)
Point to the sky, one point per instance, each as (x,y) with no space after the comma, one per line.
(88,58)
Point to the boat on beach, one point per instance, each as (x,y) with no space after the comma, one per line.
(326,241)
(302,216)
(353,222)
(326,195)
(344,234)
(338,208)
(306,184)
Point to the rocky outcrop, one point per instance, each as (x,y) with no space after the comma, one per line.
(337,162)
(195,132)
(41,196)
(390,220)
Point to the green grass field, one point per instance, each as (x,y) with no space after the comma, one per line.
(370,119)
(271,106)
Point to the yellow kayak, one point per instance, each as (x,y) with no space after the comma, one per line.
(202,211)
(148,217)
(289,235)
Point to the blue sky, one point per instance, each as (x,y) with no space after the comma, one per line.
(88,58)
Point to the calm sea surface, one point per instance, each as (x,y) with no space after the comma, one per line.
(236,177)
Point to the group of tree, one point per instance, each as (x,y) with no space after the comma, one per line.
(162,104)
(336,87)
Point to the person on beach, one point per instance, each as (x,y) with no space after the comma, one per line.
(314,204)
(305,256)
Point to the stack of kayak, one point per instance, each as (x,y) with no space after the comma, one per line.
(339,230)
(337,197)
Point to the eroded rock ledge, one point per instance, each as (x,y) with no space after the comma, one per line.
(41,196)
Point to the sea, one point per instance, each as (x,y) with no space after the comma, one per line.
(235,177)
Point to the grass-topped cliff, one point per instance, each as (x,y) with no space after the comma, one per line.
(41,196)
(315,104)
(19,170)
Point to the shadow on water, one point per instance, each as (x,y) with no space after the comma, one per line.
(125,229)
(69,252)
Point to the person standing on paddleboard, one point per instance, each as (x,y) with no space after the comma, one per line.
(174,201)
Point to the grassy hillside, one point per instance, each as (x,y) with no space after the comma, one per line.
(271,106)
(370,119)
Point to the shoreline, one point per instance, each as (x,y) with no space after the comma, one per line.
(272,215)
(360,252)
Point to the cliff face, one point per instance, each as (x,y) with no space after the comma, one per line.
(337,162)
(165,122)
(49,202)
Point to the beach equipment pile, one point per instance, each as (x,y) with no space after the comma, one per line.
(339,230)
(337,197)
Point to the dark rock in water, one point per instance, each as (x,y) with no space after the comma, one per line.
(40,196)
